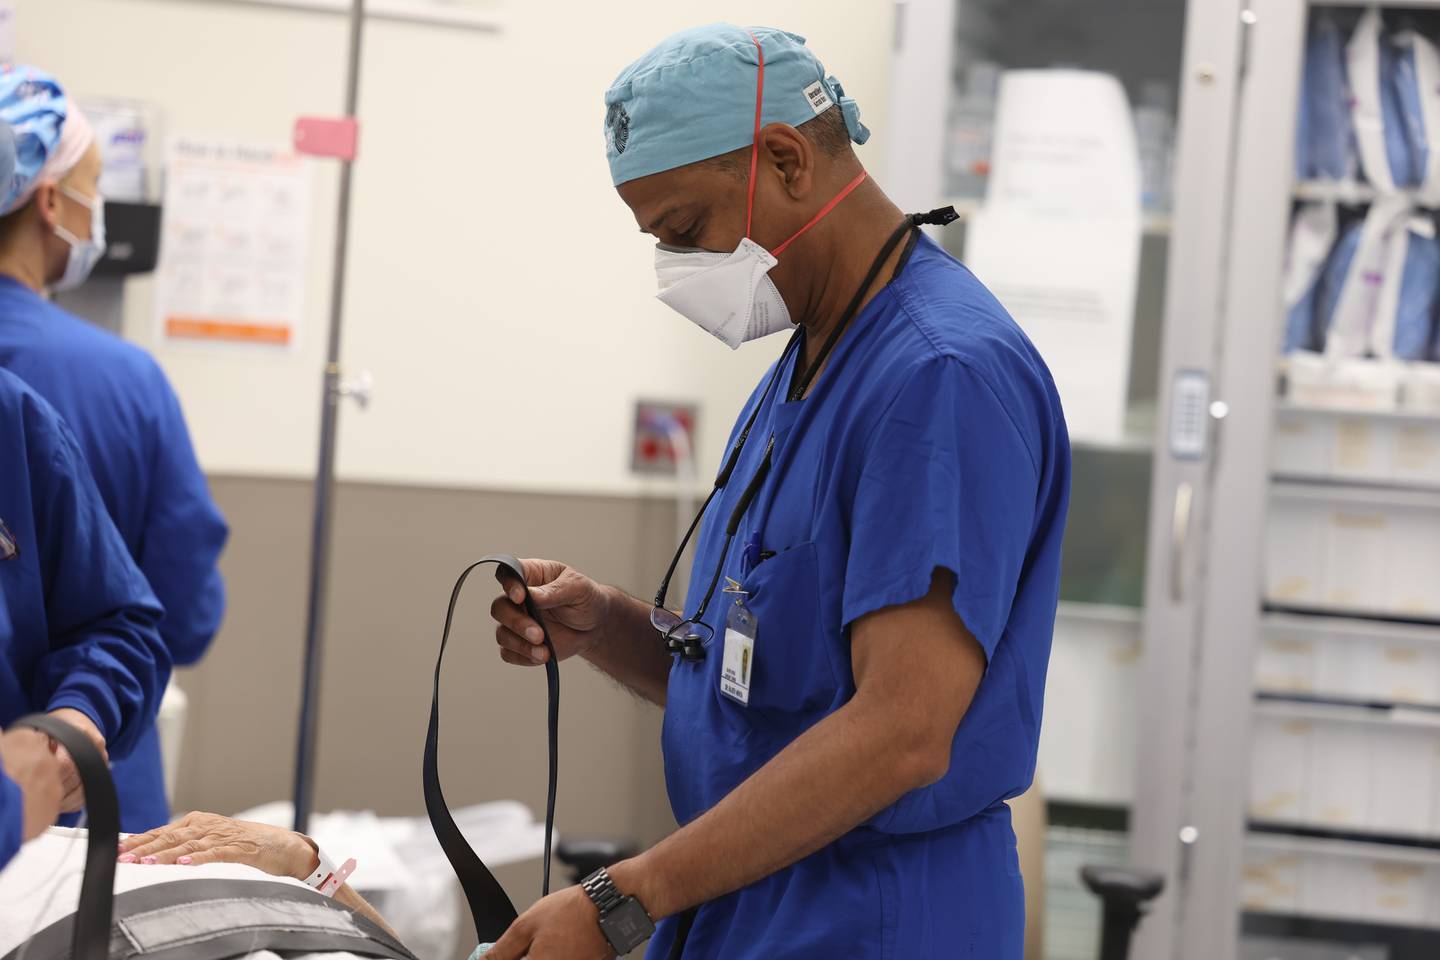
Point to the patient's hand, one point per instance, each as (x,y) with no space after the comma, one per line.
(210,838)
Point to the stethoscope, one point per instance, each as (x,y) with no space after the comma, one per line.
(687,637)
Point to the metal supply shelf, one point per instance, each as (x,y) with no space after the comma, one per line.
(1398,716)
(1429,418)
(1360,627)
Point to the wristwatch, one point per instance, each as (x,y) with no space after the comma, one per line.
(624,922)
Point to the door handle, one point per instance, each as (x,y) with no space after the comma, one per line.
(1179,536)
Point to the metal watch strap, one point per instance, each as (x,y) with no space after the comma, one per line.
(602,891)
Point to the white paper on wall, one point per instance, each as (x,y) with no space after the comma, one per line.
(235,244)
(9,30)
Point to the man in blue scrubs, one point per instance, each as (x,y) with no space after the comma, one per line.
(30,773)
(113,394)
(79,626)
(846,715)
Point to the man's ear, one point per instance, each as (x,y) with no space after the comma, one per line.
(791,157)
(47,202)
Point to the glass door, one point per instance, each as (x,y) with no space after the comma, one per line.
(1318,775)
(970,84)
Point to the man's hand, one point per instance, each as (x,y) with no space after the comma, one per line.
(74,797)
(563,926)
(200,838)
(576,609)
(29,761)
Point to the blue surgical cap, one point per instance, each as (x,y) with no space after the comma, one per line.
(693,97)
(34,107)
(7,154)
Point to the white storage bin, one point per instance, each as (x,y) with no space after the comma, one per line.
(1348,549)
(1402,784)
(1345,768)
(1088,740)
(1294,553)
(1362,450)
(1302,444)
(1271,881)
(1287,663)
(1420,387)
(1337,789)
(1279,770)
(1378,447)
(1411,587)
(1416,453)
(1342,880)
(1314,380)
(1380,890)
(1344,659)
(1357,542)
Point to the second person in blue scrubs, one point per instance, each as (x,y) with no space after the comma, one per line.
(853,689)
(111,393)
(79,635)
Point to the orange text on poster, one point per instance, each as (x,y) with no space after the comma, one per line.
(200,328)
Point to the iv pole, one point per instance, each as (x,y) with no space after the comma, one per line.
(331,393)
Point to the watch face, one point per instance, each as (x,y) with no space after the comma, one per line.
(627,926)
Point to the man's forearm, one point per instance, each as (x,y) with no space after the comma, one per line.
(840,773)
(631,651)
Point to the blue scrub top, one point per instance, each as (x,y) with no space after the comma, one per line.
(129,425)
(934,439)
(79,625)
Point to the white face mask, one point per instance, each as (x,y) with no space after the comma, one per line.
(728,295)
(84,254)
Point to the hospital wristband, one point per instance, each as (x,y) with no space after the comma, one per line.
(326,877)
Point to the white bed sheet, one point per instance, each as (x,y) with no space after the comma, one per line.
(42,885)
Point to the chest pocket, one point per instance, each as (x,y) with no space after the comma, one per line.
(793,674)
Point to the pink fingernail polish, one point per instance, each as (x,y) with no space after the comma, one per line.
(185,861)
(127,858)
(147,860)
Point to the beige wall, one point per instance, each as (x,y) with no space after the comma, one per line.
(489,255)
(397,553)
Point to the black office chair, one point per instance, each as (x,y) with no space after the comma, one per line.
(582,856)
(1124,894)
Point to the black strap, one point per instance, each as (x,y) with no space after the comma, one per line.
(682,933)
(490,906)
(91,919)
(53,943)
(723,477)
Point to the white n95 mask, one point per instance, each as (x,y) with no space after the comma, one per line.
(84,254)
(728,295)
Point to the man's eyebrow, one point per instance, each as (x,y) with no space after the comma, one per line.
(659,221)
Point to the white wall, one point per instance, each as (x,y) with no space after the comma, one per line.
(498,290)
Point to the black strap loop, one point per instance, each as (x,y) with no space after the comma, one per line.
(939,217)
(91,939)
(490,906)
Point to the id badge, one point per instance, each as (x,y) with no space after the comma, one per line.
(8,545)
(739,663)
